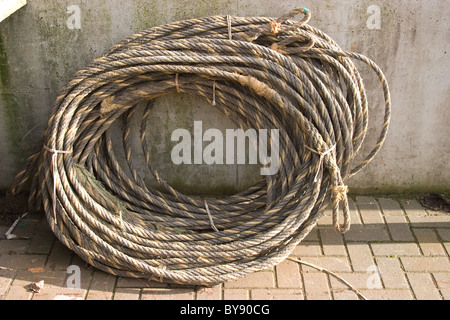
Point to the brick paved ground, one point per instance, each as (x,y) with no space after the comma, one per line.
(394,250)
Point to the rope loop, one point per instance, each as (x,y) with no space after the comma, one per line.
(306,17)
(340,195)
(276,27)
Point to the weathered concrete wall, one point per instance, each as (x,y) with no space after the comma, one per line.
(43,44)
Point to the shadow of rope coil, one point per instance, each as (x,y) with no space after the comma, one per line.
(261,73)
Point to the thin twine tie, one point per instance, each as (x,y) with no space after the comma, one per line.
(322,156)
(177,85)
(213,226)
(214,93)
(229,27)
(55,174)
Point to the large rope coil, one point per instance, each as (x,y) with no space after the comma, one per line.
(263,74)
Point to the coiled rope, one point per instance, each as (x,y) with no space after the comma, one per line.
(263,74)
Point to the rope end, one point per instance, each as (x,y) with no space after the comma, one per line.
(275,26)
(340,194)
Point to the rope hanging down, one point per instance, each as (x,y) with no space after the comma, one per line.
(263,74)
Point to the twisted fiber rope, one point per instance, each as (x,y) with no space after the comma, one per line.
(281,74)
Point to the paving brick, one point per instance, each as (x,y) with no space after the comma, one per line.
(20,281)
(373,278)
(99,295)
(430,221)
(167,294)
(307,249)
(235,294)
(359,280)
(14,246)
(360,256)
(316,286)
(53,285)
(43,238)
(60,257)
(395,219)
(326,221)
(127,294)
(365,200)
(124,282)
(418,217)
(425,264)
(261,279)
(370,211)
(342,294)
(16,292)
(388,294)
(447,247)
(444,234)
(390,207)
(442,279)
(50,277)
(392,249)
(213,293)
(332,242)
(354,214)
(22,261)
(423,286)
(101,287)
(445,294)
(429,243)
(338,264)
(50,292)
(399,228)
(392,274)
(367,234)
(413,208)
(6,279)
(288,275)
(276,294)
